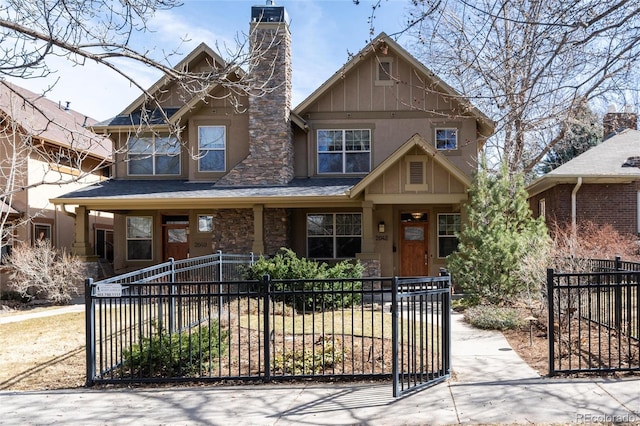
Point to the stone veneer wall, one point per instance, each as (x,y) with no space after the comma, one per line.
(232,231)
(276,230)
(270,159)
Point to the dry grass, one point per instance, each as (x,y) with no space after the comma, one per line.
(43,353)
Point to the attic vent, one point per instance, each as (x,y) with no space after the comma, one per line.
(632,162)
(416,172)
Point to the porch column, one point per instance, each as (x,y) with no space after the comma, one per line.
(367,227)
(81,247)
(258,229)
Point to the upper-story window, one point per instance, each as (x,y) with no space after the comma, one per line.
(212,143)
(385,72)
(344,151)
(154,155)
(447,138)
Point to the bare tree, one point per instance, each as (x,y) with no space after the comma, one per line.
(529,64)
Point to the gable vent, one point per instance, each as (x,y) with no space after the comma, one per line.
(416,172)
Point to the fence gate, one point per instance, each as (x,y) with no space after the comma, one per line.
(421,332)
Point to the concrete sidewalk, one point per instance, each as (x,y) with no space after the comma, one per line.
(491,385)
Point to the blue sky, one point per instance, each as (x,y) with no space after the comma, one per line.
(323,33)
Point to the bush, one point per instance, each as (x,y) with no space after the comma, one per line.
(299,362)
(318,295)
(42,271)
(185,354)
(489,317)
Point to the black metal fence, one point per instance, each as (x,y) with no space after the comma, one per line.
(594,319)
(269,330)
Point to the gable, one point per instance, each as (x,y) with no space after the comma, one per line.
(415,170)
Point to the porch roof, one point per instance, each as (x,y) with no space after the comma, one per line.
(115,195)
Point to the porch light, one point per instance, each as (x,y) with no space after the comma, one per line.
(381,227)
(416,216)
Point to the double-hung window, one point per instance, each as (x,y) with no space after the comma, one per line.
(139,238)
(448,229)
(212,148)
(153,155)
(334,235)
(447,139)
(344,151)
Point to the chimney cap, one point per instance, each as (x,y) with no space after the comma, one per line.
(269,13)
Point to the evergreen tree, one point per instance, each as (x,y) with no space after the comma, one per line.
(496,237)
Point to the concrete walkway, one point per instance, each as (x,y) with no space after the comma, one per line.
(491,385)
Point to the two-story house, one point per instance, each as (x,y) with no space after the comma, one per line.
(46,150)
(374,165)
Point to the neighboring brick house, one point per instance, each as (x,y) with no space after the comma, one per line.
(374,165)
(47,150)
(601,186)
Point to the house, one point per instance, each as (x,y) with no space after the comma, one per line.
(374,165)
(47,149)
(602,185)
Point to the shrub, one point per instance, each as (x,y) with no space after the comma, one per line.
(301,361)
(318,295)
(186,354)
(44,272)
(491,317)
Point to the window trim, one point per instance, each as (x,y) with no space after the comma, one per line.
(424,186)
(46,224)
(446,128)
(153,155)
(343,152)
(387,76)
(224,150)
(439,236)
(334,235)
(127,238)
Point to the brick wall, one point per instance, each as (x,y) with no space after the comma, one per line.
(616,204)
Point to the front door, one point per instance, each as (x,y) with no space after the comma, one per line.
(175,238)
(414,254)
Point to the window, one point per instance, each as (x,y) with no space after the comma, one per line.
(542,209)
(334,235)
(344,151)
(41,232)
(139,237)
(212,146)
(154,155)
(447,139)
(448,228)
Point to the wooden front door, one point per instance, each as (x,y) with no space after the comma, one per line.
(176,241)
(414,253)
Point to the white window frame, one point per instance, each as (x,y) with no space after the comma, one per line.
(446,232)
(202,152)
(343,151)
(153,154)
(448,130)
(134,238)
(334,235)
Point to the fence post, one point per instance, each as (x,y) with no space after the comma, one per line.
(172,303)
(446,316)
(90,332)
(617,305)
(266,292)
(219,253)
(394,336)
(550,327)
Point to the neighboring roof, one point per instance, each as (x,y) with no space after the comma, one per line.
(486,124)
(175,193)
(135,118)
(415,140)
(612,161)
(7,209)
(51,122)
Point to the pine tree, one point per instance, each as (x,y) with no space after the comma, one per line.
(495,239)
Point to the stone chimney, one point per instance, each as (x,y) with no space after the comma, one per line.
(615,122)
(270,159)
